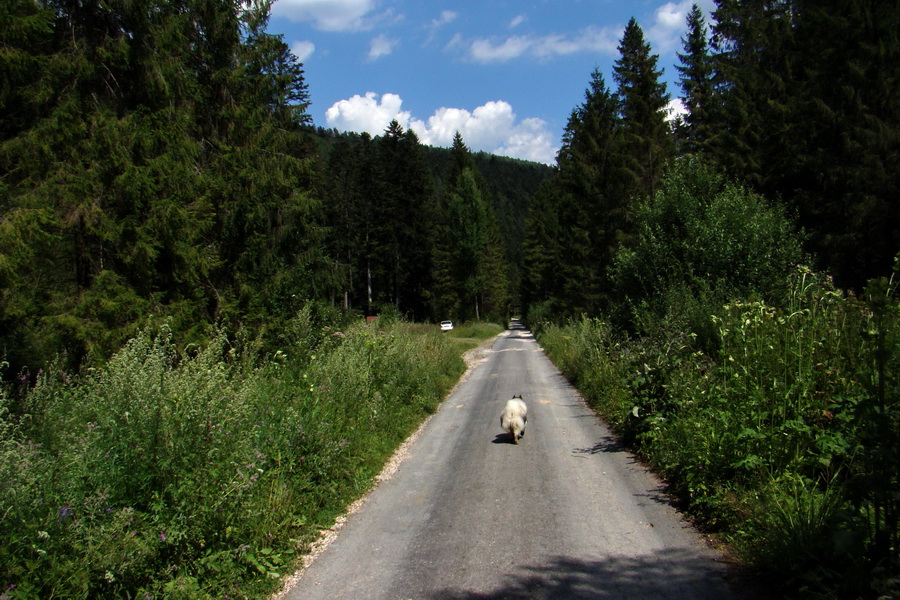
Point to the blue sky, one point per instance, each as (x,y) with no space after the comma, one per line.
(505,73)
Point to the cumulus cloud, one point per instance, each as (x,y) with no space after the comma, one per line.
(381,46)
(670,24)
(675,109)
(303,49)
(492,127)
(327,15)
(367,113)
(590,39)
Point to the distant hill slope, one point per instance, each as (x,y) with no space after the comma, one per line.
(511,181)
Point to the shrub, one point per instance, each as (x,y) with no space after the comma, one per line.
(701,241)
(203,472)
(785,438)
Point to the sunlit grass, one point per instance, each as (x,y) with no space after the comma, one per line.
(204,472)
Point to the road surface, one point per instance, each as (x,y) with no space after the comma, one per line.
(565,515)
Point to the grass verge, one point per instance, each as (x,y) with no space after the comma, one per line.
(204,472)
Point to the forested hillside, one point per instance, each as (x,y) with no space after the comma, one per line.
(161,163)
(795,100)
(725,291)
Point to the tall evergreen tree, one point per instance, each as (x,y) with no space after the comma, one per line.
(470,241)
(157,164)
(544,235)
(594,201)
(643,98)
(843,143)
(754,80)
(403,216)
(697,84)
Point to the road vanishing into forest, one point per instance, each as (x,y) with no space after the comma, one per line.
(566,514)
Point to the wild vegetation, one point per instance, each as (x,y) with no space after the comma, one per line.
(181,252)
(765,396)
(200,474)
(728,302)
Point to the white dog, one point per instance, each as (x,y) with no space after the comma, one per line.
(514,417)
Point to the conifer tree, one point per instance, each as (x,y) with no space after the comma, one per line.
(467,213)
(157,166)
(403,212)
(843,144)
(594,200)
(697,84)
(753,78)
(643,98)
(543,250)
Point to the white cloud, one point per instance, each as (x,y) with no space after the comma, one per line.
(492,127)
(327,15)
(447,16)
(303,49)
(590,39)
(367,113)
(518,20)
(486,51)
(675,109)
(670,24)
(381,46)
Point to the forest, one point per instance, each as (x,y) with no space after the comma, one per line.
(172,223)
(161,163)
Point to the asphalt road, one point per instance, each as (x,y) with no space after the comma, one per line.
(566,514)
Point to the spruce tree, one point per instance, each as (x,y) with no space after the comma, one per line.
(754,80)
(697,84)
(543,251)
(594,200)
(470,241)
(643,98)
(844,143)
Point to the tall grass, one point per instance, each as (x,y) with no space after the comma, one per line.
(202,472)
(786,436)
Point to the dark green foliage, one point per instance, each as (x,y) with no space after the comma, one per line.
(471,239)
(419,228)
(642,96)
(804,111)
(541,284)
(700,242)
(784,437)
(696,71)
(844,142)
(614,149)
(595,201)
(157,165)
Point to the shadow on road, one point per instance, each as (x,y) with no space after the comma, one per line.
(520,335)
(667,574)
(606,444)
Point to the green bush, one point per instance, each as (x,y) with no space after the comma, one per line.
(203,472)
(700,242)
(786,438)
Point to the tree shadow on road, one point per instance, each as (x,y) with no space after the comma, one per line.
(606,444)
(669,574)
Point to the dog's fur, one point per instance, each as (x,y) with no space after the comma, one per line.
(514,417)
